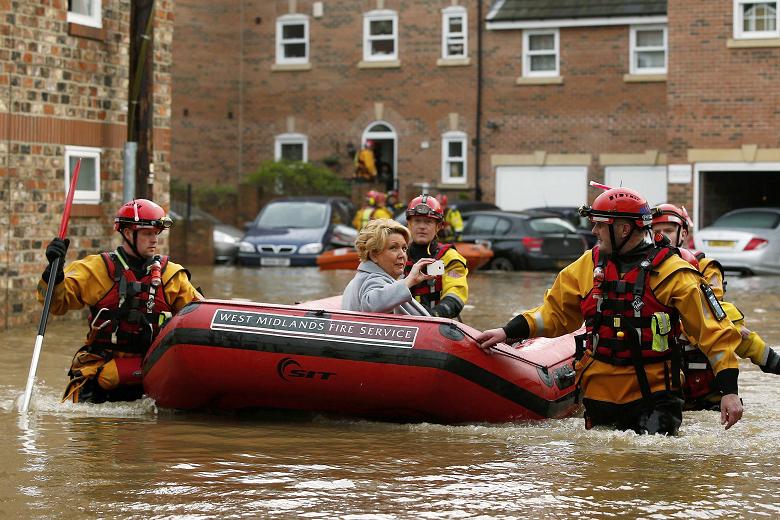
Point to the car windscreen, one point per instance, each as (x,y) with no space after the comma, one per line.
(748,219)
(551,225)
(293,215)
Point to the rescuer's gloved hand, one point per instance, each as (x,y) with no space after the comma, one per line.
(772,365)
(57,248)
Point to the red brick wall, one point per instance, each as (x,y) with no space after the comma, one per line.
(59,87)
(719,97)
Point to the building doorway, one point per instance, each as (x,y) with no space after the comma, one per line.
(722,187)
(386,152)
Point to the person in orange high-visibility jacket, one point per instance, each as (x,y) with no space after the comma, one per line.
(374,209)
(130,292)
(700,391)
(633,295)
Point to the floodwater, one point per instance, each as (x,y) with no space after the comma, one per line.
(132,460)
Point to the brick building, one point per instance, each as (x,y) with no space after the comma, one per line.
(63,96)
(520,101)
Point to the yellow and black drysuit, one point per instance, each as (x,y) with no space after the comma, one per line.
(368,213)
(126,312)
(445,295)
(632,304)
(453,226)
(701,392)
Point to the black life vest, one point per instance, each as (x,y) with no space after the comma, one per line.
(623,317)
(128,317)
(428,292)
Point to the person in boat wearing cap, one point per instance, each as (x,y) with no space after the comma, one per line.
(633,295)
(377,285)
(452,229)
(374,208)
(701,393)
(129,292)
(446,294)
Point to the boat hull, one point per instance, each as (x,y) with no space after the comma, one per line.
(221,355)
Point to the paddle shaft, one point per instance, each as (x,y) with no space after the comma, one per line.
(55,266)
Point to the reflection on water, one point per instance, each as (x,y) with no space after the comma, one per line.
(131,460)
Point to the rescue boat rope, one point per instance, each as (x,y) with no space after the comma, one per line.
(504,352)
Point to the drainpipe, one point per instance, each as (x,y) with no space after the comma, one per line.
(478,135)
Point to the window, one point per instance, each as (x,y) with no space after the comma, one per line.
(291,147)
(482,225)
(85,12)
(454,32)
(648,49)
(88,184)
(453,160)
(380,36)
(756,19)
(292,39)
(540,53)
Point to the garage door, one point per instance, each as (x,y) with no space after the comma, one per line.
(522,187)
(650,181)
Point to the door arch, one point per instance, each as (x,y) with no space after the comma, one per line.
(386,149)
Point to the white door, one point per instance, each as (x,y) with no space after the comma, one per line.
(650,181)
(523,187)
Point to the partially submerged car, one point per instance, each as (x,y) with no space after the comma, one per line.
(225,236)
(745,240)
(293,231)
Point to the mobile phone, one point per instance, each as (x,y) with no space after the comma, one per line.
(435,268)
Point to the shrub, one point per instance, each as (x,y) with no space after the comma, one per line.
(297,178)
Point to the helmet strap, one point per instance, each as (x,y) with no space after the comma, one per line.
(615,247)
(132,244)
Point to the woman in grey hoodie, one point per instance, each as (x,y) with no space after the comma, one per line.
(378,285)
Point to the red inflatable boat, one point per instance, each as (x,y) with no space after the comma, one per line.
(476,255)
(228,355)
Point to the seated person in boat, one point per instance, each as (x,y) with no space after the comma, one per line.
(129,292)
(635,295)
(701,392)
(445,294)
(378,285)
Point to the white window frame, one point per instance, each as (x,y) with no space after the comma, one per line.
(527,53)
(447,37)
(739,19)
(446,159)
(291,19)
(282,139)
(83,152)
(94,19)
(373,16)
(635,50)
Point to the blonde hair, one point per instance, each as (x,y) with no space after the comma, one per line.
(373,237)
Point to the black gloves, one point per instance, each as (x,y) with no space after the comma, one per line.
(772,365)
(57,248)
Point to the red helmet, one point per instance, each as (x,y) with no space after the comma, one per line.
(369,143)
(672,214)
(393,194)
(442,198)
(619,203)
(141,214)
(424,206)
(371,196)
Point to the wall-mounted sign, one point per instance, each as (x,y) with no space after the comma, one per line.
(679,174)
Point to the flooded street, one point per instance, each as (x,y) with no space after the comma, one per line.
(132,460)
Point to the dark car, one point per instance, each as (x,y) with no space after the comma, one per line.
(572,215)
(225,236)
(293,231)
(525,239)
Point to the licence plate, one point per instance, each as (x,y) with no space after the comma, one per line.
(275,262)
(721,243)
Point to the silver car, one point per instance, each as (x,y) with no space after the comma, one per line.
(745,240)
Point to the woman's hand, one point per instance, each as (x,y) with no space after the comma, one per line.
(416,275)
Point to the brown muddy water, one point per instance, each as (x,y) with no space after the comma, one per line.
(134,461)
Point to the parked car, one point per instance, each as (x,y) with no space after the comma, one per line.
(572,215)
(525,239)
(225,236)
(745,240)
(293,231)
